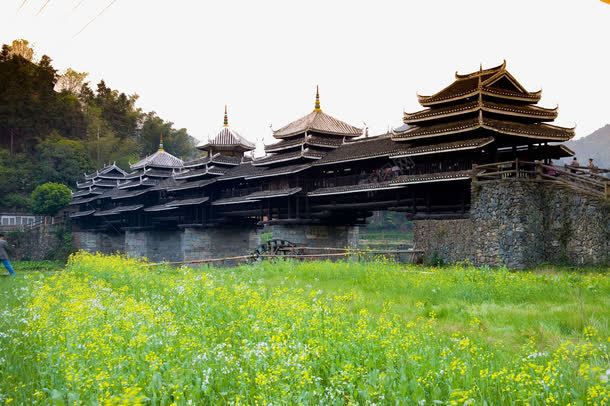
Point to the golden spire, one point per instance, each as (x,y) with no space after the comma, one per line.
(317,105)
(226,122)
(161,143)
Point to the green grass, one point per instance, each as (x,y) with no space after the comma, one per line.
(114,330)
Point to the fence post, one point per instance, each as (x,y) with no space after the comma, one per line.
(516,167)
(538,170)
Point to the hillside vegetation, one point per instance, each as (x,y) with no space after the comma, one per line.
(110,329)
(56,126)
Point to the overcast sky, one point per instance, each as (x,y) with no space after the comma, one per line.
(186,59)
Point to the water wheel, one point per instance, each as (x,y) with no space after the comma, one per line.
(274,248)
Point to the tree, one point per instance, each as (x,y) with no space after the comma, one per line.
(49,198)
(176,142)
(71,81)
(62,160)
(21,47)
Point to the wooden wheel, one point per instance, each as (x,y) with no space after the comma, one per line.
(274,248)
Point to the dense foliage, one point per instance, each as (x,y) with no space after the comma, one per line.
(110,330)
(54,127)
(49,198)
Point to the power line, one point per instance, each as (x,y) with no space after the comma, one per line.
(94,18)
(22,4)
(43,7)
(77,5)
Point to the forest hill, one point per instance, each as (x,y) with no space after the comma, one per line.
(55,127)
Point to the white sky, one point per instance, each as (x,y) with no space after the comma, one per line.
(186,59)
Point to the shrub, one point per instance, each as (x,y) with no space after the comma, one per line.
(50,198)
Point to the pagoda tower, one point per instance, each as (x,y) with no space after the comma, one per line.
(307,139)
(491,106)
(222,152)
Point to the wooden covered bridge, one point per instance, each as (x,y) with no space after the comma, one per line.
(323,177)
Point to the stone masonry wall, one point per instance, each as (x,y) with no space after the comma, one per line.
(508,217)
(446,240)
(522,224)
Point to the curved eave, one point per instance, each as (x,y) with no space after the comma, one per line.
(495,69)
(434,149)
(533,112)
(532,97)
(545,132)
(432,100)
(561,133)
(318,131)
(421,132)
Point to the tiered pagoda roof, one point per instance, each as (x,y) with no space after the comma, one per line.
(227,140)
(488,102)
(308,139)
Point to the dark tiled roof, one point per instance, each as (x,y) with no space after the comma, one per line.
(190,185)
(137,183)
(268,194)
(241,171)
(106,183)
(367,148)
(282,170)
(87,192)
(82,185)
(364,187)
(439,147)
(197,162)
(159,173)
(227,137)
(122,194)
(216,158)
(161,207)
(109,170)
(118,210)
(332,142)
(468,85)
(396,183)
(233,200)
(309,153)
(538,131)
(319,122)
(135,174)
(81,214)
(285,144)
(112,176)
(190,202)
(528,111)
(438,129)
(432,177)
(211,170)
(160,159)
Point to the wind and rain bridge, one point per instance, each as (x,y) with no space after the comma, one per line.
(473,169)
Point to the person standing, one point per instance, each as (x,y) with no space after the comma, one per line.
(4,256)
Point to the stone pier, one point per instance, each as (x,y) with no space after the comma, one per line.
(156,245)
(104,242)
(218,242)
(331,236)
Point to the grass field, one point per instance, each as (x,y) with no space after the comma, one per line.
(110,330)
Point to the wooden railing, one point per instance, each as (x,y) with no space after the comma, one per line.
(584,180)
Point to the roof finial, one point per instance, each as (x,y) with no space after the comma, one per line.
(161,142)
(226,122)
(480,67)
(317,105)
